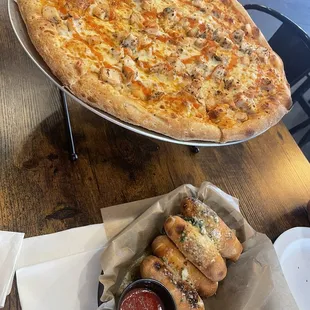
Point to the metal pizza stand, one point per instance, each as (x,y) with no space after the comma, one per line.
(22,35)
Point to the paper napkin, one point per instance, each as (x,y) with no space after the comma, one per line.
(60,271)
(10,245)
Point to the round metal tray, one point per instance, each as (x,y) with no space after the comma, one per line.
(22,35)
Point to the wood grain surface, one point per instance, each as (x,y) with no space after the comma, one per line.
(42,192)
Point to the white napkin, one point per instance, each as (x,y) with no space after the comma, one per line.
(60,271)
(10,245)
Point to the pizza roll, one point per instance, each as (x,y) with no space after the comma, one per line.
(198,249)
(212,226)
(185,297)
(165,249)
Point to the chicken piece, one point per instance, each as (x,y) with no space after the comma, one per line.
(51,14)
(185,24)
(117,53)
(102,11)
(200,70)
(219,73)
(147,5)
(162,68)
(266,84)
(263,54)
(241,116)
(170,13)
(139,90)
(194,88)
(245,60)
(129,62)
(246,48)
(226,43)
(246,104)
(129,69)
(111,76)
(217,58)
(130,41)
(63,30)
(200,42)
(217,36)
(220,38)
(248,29)
(199,4)
(179,67)
(238,36)
(193,32)
(153,29)
(136,19)
(228,83)
(130,73)
(144,40)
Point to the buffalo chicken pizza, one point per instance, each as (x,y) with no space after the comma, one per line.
(189,69)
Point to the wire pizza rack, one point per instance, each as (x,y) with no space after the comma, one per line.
(22,36)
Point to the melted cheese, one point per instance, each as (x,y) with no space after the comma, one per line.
(213,74)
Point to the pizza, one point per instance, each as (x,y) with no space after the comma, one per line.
(188,69)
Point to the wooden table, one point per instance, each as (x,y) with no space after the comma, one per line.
(42,192)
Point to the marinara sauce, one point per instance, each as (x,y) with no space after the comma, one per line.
(141,299)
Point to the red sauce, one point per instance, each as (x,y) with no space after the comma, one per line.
(141,299)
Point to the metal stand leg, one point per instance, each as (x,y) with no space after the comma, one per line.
(194,149)
(73,155)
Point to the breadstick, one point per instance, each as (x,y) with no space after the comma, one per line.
(165,249)
(185,297)
(199,250)
(212,226)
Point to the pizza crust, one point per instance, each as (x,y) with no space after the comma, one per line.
(103,96)
(254,127)
(98,94)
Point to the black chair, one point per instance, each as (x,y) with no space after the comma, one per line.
(292,44)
